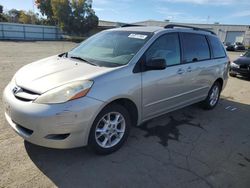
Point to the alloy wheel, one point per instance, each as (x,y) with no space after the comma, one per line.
(110,129)
(214,96)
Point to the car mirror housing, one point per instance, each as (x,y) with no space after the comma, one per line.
(156,64)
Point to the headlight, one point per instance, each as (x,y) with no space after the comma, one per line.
(64,93)
(234,65)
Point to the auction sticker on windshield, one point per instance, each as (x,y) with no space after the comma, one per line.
(137,36)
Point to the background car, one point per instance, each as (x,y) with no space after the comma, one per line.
(241,66)
(237,46)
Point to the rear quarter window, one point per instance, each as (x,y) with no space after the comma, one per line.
(216,47)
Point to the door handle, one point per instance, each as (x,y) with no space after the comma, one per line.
(180,71)
(189,69)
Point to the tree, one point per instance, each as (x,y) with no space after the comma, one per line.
(2,16)
(28,18)
(62,13)
(21,16)
(73,16)
(13,15)
(46,10)
(83,16)
(24,18)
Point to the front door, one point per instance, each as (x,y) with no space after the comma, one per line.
(163,90)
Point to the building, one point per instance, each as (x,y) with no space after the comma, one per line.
(102,25)
(226,33)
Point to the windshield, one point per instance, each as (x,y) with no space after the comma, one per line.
(111,48)
(247,54)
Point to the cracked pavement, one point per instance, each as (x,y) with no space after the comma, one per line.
(186,148)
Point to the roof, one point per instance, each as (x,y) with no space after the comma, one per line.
(151,29)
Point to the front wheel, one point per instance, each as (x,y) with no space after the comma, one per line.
(232,74)
(110,129)
(213,96)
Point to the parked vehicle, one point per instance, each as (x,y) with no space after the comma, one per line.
(238,46)
(230,47)
(121,77)
(241,66)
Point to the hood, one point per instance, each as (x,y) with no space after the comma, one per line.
(242,60)
(54,71)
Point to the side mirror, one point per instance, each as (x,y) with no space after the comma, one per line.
(156,64)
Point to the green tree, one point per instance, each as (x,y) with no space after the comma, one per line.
(46,10)
(2,16)
(73,16)
(62,13)
(13,15)
(28,18)
(83,16)
(24,18)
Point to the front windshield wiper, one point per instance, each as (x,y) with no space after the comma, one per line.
(81,59)
(65,54)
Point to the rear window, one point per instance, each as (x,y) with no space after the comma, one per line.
(195,47)
(217,48)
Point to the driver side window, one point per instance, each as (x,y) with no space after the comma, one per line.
(165,47)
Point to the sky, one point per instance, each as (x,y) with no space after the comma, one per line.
(184,11)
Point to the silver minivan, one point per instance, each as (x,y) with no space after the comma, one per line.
(117,78)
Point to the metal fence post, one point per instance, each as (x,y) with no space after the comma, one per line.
(3,31)
(43,33)
(24,32)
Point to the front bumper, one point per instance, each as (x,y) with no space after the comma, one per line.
(240,71)
(65,125)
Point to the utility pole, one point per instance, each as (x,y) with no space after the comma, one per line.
(208,18)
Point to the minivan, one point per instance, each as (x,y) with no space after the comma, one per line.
(116,79)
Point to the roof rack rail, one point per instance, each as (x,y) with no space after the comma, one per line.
(171,26)
(131,25)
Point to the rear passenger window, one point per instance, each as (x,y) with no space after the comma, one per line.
(195,47)
(165,47)
(217,48)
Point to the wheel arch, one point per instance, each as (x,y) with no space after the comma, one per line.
(130,107)
(220,81)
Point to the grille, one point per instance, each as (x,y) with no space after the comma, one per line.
(244,66)
(24,94)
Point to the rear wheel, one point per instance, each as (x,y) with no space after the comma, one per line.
(110,129)
(213,96)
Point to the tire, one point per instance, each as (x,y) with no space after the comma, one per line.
(232,74)
(211,101)
(110,129)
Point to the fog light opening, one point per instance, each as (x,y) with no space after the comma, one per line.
(57,136)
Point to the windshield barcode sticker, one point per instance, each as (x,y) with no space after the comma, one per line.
(137,36)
